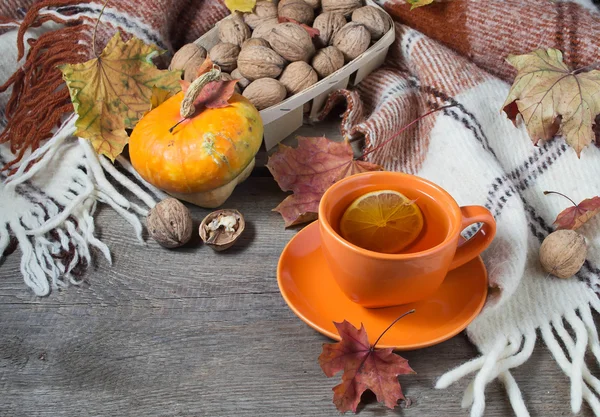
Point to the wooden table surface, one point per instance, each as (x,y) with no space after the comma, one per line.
(191,332)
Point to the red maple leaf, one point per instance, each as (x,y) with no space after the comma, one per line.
(576,216)
(309,170)
(311,31)
(365,368)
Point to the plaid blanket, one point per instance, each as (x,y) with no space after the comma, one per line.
(448,52)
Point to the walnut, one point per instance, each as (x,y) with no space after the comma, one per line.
(328,24)
(315,4)
(262,31)
(264,10)
(292,42)
(327,61)
(563,253)
(233,31)
(225,56)
(352,40)
(256,42)
(265,92)
(374,19)
(260,62)
(298,76)
(242,81)
(188,58)
(170,223)
(345,7)
(298,10)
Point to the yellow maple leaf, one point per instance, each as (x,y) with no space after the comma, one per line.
(245,6)
(112,92)
(418,3)
(553,99)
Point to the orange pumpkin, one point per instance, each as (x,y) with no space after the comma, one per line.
(205,152)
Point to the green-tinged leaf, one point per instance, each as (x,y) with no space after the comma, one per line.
(112,92)
(418,3)
(553,99)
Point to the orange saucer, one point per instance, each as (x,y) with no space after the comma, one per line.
(311,292)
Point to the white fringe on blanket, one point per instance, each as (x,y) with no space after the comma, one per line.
(50,208)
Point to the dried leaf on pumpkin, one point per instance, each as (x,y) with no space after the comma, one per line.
(245,6)
(365,368)
(309,170)
(552,98)
(112,92)
(214,95)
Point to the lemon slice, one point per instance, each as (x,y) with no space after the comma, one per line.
(382,221)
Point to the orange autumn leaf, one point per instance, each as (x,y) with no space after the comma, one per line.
(576,216)
(365,368)
(308,171)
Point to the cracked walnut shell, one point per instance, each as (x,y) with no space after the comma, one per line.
(298,76)
(260,62)
(352,40)
(225,55)
(292,42)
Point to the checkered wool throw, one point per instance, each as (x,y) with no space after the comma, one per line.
(448,52)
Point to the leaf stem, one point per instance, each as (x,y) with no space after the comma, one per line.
(96,28)
(390,326)
(586,68)
(388,140)
(556,192)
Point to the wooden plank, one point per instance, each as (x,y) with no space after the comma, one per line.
(192,332)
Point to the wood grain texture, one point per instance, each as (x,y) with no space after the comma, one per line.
(191,332)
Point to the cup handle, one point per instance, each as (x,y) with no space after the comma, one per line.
(471,248)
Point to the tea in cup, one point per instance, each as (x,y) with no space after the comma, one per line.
(379,279)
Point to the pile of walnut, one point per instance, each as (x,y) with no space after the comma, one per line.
(276,60)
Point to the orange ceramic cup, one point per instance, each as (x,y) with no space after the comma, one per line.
(374,279)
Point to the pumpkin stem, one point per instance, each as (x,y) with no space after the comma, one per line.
(176,124)
(187,105)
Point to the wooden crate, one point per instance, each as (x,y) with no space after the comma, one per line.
(284,118)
